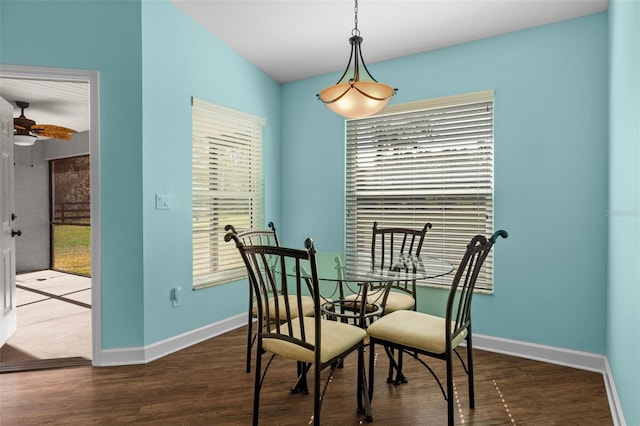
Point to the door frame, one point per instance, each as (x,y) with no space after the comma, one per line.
(93,78)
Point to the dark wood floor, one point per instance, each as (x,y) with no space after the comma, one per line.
(206,385)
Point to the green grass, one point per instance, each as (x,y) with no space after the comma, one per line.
(72,249)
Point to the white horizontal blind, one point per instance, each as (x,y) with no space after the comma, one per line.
(429,161)
(228,187)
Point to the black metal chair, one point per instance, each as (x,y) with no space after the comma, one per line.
(416,333)
(260,237)
(394,249)
(310,341)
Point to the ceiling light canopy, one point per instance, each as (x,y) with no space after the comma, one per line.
(352,97)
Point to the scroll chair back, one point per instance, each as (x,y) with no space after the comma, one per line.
(416,333)
(311,341)
(260,237)
(395,249)
(257,237)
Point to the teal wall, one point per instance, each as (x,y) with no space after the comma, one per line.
(551,172)
(151,60)
(181,59)
(103,36)
(623,330)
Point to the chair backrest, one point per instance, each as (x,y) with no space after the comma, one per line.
(458,311)
(273,270)
(393,248)
(256,237)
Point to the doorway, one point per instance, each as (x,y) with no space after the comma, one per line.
(75,291)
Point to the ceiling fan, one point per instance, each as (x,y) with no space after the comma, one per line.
(26,131)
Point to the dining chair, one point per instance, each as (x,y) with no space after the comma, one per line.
(260,237)
(416,333)
(310,341)
(395,248)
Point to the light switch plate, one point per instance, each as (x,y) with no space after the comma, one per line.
(163,202)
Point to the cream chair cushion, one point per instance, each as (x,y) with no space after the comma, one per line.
(307,307)
(414,329)
(336,338)
(395,301)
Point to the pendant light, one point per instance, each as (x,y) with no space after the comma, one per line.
(352,97)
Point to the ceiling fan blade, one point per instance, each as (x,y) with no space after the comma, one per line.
(52,127)
(25,126)
(52,131)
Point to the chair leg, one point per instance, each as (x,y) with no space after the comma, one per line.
(390,378)
(372,360)
(449,360)
(400,378)
(364,401)
(470,370)
(361,381)
(395,366)
(256,387)
(317,402)
(249,340)
(301,386)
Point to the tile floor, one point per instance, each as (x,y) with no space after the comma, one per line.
(54,317)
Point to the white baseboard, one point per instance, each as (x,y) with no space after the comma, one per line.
(612,396)
(567,357)
(145,354)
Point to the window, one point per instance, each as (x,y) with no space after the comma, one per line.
(428,161)
(227,188)
(70,219)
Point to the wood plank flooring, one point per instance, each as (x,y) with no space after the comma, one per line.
(206,385)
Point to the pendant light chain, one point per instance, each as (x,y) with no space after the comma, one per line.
(356,31)
(355,41)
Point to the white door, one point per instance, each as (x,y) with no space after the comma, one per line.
(8,318)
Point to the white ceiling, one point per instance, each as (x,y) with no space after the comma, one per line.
(295,39)
(60,103)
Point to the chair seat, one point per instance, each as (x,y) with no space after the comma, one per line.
(415,330)
(336,338)
(307,307)
(396,300)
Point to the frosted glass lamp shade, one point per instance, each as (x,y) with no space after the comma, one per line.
(357,100)
(24,140)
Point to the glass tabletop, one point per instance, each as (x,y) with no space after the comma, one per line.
(331,267)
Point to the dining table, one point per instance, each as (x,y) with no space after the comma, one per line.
(343,285)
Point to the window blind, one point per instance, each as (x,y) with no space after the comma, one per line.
(227,187)
(428,161)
